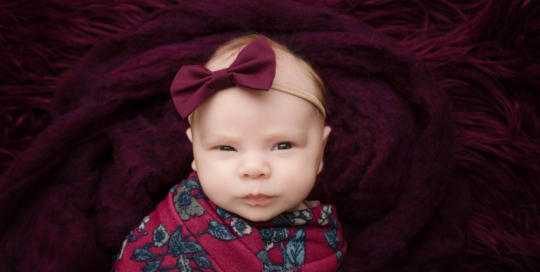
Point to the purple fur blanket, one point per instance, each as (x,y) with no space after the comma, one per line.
(397,165)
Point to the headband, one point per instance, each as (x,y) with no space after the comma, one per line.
(254,67)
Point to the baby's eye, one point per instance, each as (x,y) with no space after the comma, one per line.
(226,148)
(282,146)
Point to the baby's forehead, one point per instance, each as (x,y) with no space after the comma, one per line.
(240,109)
(288,69)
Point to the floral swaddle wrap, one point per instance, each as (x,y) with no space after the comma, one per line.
(188,232)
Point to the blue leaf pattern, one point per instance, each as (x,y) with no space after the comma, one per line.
(339,254)
(130,237)
(223,213)
(190,247)
(173,188)
(175,241)
(332,239)
(219,231)
(295,251)
(202,261)
(193,184)
(199,195)
(177,246)
(331,236)
(152,266)
(142,254)
(263,256)
(268,266)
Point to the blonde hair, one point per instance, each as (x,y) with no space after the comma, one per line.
(234,46)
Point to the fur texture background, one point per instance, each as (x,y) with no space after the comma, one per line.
(484,55)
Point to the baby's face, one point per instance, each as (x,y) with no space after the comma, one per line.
(257,153)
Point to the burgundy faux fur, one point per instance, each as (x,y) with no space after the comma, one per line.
(115,143)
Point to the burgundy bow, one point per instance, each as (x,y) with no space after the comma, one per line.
(255,67)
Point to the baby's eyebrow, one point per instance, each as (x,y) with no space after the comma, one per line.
(270,134)
(296,134)
(232,137)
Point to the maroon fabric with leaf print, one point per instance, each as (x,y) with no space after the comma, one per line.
(188,232)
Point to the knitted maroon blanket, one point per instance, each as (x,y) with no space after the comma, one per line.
(116,145)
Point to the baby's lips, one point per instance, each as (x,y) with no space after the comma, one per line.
(258,200)
(258,197)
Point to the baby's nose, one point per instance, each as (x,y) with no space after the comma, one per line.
(254,166)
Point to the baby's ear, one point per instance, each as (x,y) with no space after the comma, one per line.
(326,132)
(189,135)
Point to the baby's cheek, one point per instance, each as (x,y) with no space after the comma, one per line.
(304,186)
(300,182)
(303,167)
(211,185)
(218,190)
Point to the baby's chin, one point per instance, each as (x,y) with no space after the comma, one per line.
(258,218)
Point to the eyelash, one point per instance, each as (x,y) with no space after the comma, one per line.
(290,145)
(276,147)
(223,148)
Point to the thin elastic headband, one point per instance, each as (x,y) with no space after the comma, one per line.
(254,67)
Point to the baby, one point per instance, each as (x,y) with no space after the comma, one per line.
(257,128)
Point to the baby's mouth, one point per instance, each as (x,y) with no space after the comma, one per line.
(258,200)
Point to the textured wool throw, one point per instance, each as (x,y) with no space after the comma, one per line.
(116,145)
(189,232)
